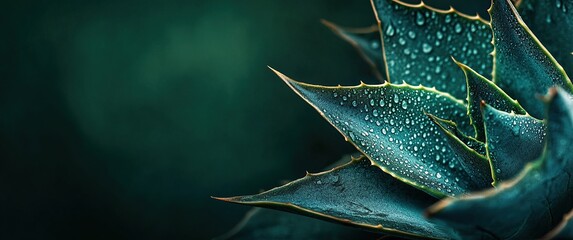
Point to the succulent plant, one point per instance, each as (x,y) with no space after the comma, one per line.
(470,135)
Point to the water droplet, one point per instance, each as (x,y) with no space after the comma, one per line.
(420,19)
(382,103)
(407,51)
(404,105)
(354,103)
(412,34)
(438,175)
(440,35)
(426,48)
(396,99)
(448,19)
(458,28)
(390,30)
(352,137)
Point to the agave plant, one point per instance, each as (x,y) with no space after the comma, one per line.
(495,165)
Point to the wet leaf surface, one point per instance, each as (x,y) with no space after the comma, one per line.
(523,68)
(388,123)
(533,203)
(357,194)
(419,42)
(512,141)
(552,23)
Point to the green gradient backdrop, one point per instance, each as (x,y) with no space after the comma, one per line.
(118,119)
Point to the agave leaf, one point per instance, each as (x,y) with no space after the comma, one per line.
(531,203)
(271,224)
(475,164)
(357,194)
(512,141)
(522,65)
(564,230)
(418,42)
(264,224)
(452,128)
(366,41)
(387,124)
(480,89)
(552,22)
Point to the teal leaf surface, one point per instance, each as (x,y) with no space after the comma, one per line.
(366,41)
(452,128)
(418,42)
(522,66)
(480,89)
(387,123)
(357,194)
(265,224)
(552,22)
(530,205)
(512,141)
(475,164)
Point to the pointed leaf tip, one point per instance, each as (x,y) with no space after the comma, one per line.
(356,194)
(522,65)
(391,117)
(481,89)
(468,150)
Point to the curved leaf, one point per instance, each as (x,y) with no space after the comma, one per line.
(533,202)
(357,194)
(552,22)
(366,41)
(475,164)
(263,224)
(387,124)
(512,141)
(418,42)
(480,89)
(522,66)
(564,230)
(452,128)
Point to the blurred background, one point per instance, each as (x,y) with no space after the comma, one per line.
(119,119)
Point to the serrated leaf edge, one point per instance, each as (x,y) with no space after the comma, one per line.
(421,5)
(290,83)
(308,212)
(535,39)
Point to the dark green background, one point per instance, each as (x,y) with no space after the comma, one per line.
(118,119)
